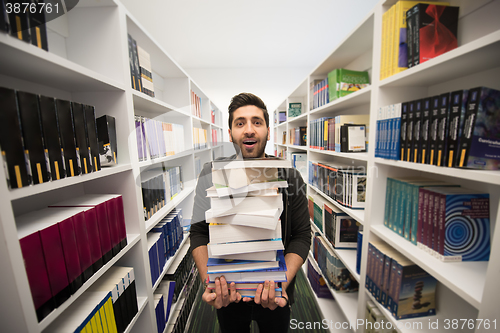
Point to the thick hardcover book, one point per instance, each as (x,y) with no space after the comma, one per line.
(404,126)
(19,22)
(106,134)
(433,130)
(417,132)
(352,138)
(33,140)
(409,131)
(67,131)
(137,70)
(70,250)
(36,270)
(442,135)
(479,144)
(52,138)
(81,137)
(221,266)
(458,107)
(15,160)
(436,31)
(410,28)
(91,128)
(133,78)
(37,23)
(424,136)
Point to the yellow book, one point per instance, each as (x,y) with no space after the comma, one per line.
(98,322)
(104,322)
(383,50)
(400,52)
(110,316)
(390,55)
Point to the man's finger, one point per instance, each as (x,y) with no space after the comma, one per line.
(232,296)
(271,291)
(265,294)
(280,301)
(224,290)
(218,293)
(258,294)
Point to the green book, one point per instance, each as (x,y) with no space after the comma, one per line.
(342,82)
(294,109)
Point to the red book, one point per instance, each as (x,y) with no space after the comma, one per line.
(38,278)
(70,250)
(45,222)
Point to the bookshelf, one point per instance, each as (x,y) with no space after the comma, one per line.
(465,290)
(88,62)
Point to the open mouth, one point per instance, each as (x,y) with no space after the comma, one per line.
(249,143)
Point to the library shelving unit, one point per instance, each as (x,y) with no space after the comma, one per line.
(465,290)
(88,62)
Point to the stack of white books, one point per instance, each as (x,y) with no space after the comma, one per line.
(244,227)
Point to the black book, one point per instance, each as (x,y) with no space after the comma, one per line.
(417,132)
(352,138)
(38,28)
(410,32)
(137,69)
(144,201)
(404,124)
(4,25)
(51,136)
(473,102)
(11,141)
(409,131)
(303,135)
(106,136)
(67,131)
(131,62)
(93,146)
(458,106)
(433,127)
(19,25)
(82,146)
(424,137)
(32,135)
(442,134)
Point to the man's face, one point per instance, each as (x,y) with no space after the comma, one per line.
(249,131)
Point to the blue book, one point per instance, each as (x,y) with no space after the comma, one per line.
(358,251)
(227,266)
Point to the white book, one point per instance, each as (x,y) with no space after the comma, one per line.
(268,162)
(212,192)
(246,204)
(239,177)
(257,256)
(223,233)
(223,191)
(243,247)
(266,219)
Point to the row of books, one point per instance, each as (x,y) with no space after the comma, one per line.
(298,136)
(141,73)
(159,187)
(215,139)
(333,269)
(299,162)
(294,109)
(345,133)
(64,244)
(401,286)
(281,117)
(196,105)
(448,221)
(212,115)
(27,21)
(376,321)
(346,184)
(280,152)
(157,139)
(414,35)
(319,92)
(163,303)
(318,283)
(164,240)
(200,138)
(183,311)
(181,274)
(44,139)
(454,129)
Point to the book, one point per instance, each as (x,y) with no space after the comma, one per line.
(82,145)
(352,138)
(294,109)
(51,136)
(417,129)
(67,132)
(32,136)
(223,233)
(106,134)
(348,119)
(254,256)
(222,266)
(425,134)
(458,108)
(132,62)
(342,82)
(435,30)
(442,134)
(19,22)
(4,23)
(248,204)
(18,171)
(217,250)
(239,177)
(91,132)
(37,23)
(267,162)
(403,135)
(146,73)
(433,131)
(478,143)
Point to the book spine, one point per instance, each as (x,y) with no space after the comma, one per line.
(416,35)
(429,226)
(409,132)
(433,130)
(442,134)
(469,124)
(404,126)
(410,26)
(83,246)
(65,120)
(81,137)
(388,197)
(425,129)
(454,124)
(423,197)
(417,123)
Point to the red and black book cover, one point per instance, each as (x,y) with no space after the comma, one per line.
(32,134)
(436,29)
(51,136)
(11,141)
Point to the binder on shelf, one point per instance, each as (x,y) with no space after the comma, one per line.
(37,24)
(19,23)
(433,130)
(442,133)
(4,25)
(458,108)
(82,145)
(67,132)
(91,131)
(106,134)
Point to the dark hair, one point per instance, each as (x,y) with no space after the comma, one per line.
(244,99)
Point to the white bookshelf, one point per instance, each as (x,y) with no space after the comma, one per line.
(465,290)
(88,62)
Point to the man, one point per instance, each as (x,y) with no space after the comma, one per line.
(249,132)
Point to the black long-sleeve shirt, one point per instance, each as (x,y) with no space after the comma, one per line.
(295,225)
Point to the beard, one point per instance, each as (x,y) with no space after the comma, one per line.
(242,151)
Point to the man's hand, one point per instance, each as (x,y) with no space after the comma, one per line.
(221,297)
(265,296)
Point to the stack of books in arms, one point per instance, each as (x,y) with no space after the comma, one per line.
(244,223)
(141,74)
(454,129)
(401,286)
(414,32)
(44,138)
(440,218)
